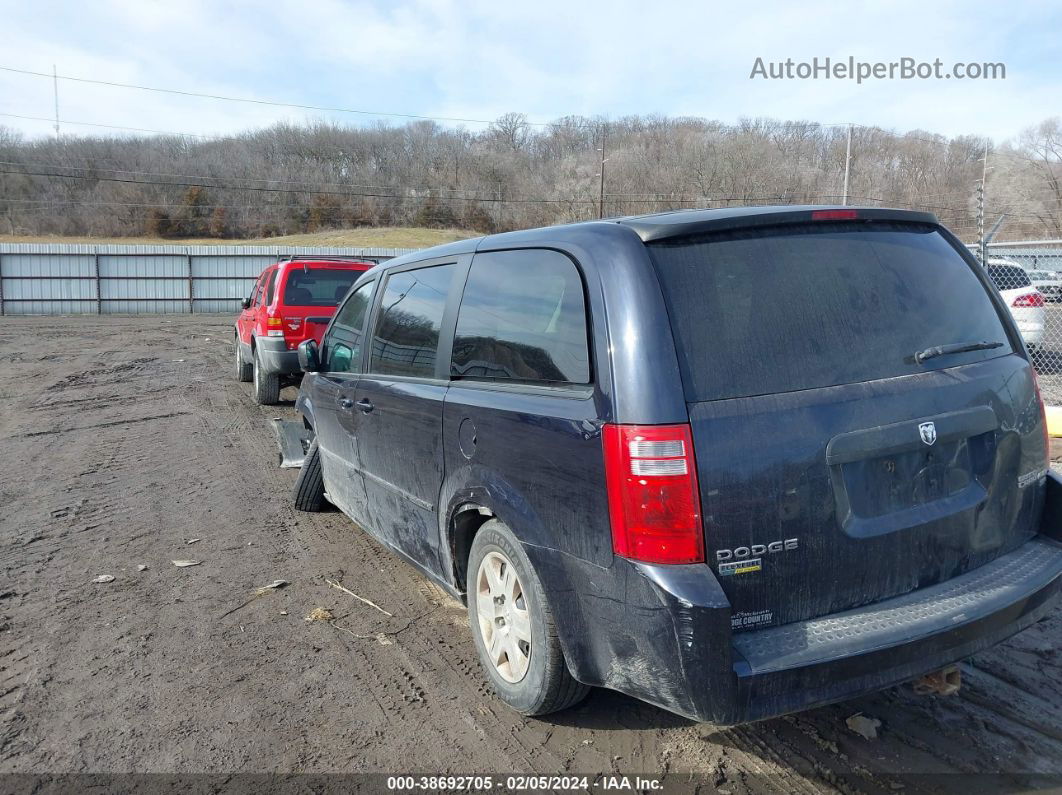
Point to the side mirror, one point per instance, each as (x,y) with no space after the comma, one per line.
(245,303)
(309,356)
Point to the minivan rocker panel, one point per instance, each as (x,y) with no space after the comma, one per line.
(741,491)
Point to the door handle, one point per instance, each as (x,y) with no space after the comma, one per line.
(365,405)
(346,403)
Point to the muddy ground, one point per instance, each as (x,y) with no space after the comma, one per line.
(125,438)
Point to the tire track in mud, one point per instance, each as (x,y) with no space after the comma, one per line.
(143,671)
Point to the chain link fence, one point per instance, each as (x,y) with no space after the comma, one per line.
(1029,277)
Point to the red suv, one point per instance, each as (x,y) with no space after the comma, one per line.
(292,301)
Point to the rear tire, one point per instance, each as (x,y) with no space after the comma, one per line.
(243,370)
(309,488)
(543,683)
(266,389)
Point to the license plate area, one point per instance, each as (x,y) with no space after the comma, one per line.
(893,477)
(896,482)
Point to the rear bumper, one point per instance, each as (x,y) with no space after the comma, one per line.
(840,656)
(1030,323)
(1032,333)
(662,633)
(275,356)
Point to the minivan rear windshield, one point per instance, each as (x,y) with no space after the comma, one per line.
(318,286)
(786,308)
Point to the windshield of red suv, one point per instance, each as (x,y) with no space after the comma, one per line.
(318,286)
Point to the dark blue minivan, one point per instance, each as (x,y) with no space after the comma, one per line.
(733,462)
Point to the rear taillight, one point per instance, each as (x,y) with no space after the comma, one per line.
(654,504)
(1027,300)
(282,327)
(834,215)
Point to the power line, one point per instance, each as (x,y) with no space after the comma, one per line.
(314,183)
(108,126)
(25,163)
(629,197)
(261,189)
(359,111)
(251,101)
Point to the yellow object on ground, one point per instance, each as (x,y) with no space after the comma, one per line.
(1054,420)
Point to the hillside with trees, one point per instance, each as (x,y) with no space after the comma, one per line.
(290,179)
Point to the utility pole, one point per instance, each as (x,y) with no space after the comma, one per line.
(601,183)
(55,93)
(982,242)
(847,162)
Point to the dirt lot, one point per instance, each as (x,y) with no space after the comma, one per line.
(125,438)
(382,236)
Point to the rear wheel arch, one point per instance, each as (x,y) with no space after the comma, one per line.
(471,503)
(465,521)
(471,508)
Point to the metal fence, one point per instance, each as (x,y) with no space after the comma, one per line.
(1029,276)
(67,279)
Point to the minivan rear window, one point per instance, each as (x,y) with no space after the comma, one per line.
(318,286)
(765,311)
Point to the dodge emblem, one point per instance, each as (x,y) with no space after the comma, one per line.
(928,432)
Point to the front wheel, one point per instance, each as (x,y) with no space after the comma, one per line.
(309,488)
(513,627)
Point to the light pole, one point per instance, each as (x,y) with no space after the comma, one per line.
(847,161)
(601,175)
(55,93)
(982,241)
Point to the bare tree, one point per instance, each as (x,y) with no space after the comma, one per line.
(292,178)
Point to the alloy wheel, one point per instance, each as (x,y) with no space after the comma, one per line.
(504,619)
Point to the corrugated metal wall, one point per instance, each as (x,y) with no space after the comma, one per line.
(65,279)
(1030,258)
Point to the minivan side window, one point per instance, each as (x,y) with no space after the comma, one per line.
(342,345)
(522,318)
(406,336)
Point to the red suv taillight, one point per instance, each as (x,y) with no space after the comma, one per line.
(277,326)
(654,504)
(1029,299)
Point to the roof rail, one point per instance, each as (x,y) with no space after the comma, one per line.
(324,258)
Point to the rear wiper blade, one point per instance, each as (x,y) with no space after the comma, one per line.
(955,347)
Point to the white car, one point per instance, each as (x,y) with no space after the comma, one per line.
(1049,283)
(1025,302)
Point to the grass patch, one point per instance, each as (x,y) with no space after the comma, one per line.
(379,237)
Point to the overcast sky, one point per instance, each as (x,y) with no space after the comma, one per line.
(479,59)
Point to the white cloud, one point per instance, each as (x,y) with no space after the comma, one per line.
(479,59)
